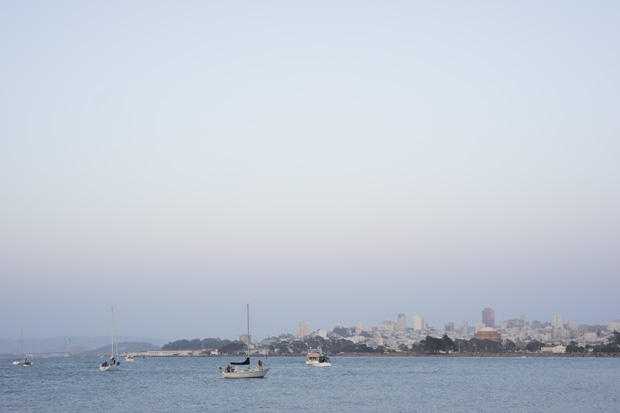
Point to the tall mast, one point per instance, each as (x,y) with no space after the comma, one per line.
(248,307)
(112,333)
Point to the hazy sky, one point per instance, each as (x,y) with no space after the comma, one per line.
(323,161)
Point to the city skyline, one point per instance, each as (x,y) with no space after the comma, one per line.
(321,161)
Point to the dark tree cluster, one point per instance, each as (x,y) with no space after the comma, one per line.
(612,346)
(197,344)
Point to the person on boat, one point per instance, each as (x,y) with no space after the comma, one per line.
(228,369)
(260,365)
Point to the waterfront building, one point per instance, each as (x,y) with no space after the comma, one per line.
(553,348)
(488,333)
(488,317)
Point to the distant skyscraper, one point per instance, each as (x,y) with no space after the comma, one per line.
(388,325)
(464,327)
(423,320)
(558,321)
(358,328)
(417,322)
(304,329)
(401,324)
(449,326)
(488,317)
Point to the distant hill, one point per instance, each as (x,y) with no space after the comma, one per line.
(124,347)
(76,344)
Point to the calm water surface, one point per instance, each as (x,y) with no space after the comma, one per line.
(370,384)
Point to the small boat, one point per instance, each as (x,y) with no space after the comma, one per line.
(322,361)
(18,360)
(113,365)
(27,363)
(313,355)
(129,357)
(243,370)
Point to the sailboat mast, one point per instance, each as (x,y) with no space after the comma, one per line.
(248,307)
(112,333)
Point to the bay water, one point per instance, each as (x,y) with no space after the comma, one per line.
(352,384)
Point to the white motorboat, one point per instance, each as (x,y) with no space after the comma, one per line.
(313,355)
(129,357)
(322,361)
(113,364)
(243,370)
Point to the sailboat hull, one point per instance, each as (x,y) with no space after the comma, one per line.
(108,368)
(245,374)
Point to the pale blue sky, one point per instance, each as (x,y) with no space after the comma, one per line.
(323,161)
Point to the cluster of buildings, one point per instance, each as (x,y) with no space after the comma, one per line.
(391,334)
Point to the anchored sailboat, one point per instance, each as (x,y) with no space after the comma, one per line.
(239,370)
(113,365)
(19,359)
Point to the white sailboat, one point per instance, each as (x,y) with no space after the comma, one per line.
(18,360)
(243,370)
(113,364)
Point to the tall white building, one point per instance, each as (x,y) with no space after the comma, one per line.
(304,329)
(358,328)
(417,322)
(401,323)
(614,326)
(387,325)
(464,327)
(558,321)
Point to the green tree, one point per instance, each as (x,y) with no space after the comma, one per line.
(448,343)
(533,345)
(574,348)
(233,348)
(432,345)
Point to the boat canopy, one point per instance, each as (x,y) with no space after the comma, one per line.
(243,363)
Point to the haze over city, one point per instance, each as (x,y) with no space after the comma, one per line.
(323,162)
